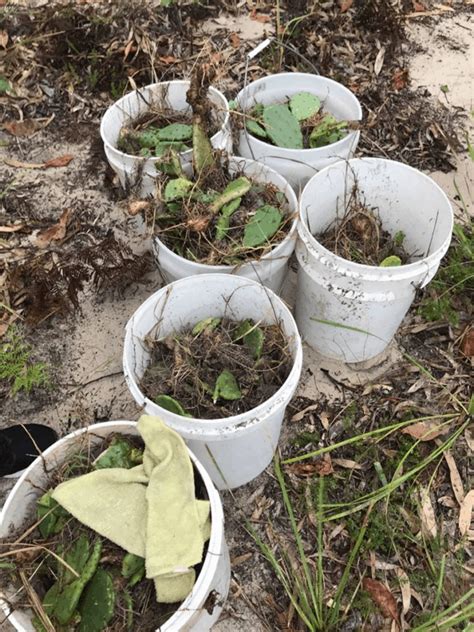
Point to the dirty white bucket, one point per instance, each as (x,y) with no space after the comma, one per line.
(298,165)
(236,449)
(194,614)
(364,305)
(270,270)
(134,170)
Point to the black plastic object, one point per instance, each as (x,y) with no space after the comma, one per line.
(19,446)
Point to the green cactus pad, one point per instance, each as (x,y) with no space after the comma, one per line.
(282,127)
(254,128)
(171,404)
(235,189)
(98,603)
(391,262)
(177,189)
(303,105)
(227,211)
(263,225)
(176,132)
(226,387)
(328,131)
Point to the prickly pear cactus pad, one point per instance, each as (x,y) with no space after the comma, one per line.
(220,219)
(298,123)
(81,581)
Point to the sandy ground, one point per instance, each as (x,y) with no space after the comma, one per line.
(92,386)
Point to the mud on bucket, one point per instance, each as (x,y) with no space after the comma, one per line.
(350,311)
(236,449)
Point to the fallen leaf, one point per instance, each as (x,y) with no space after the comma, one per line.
(427,514)
(382,597)
(18,164)
(346,5)
(137,206)
(43,238)
(11,229)
(60,161)
(418,6)
(168,59)
(21,128)
(3,39)
(400,79)
(405,589)
(259,17)
(467,345)
(324,419)
(456,482)
(379,61)
(347,463)
(301,414)
(323,467)
(234,40)
(240,559)
(469,439)
(465,513)
(128,48)
(426,430)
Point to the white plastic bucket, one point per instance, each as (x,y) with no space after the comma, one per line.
(351,296)
(270,270)
(236,449)
(134,170)
(192,615)
(298,165)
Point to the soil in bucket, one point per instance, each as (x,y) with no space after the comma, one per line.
(300,122)
(217,369)
(359,236)
(52,542)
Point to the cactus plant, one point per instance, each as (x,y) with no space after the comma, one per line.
(68,597)
(303,105)
(98,603)
(282,127)
(177,189)
(175,132)
(328,131)
(235,189)
(391,262)
(227,210)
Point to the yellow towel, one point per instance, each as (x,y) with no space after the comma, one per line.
(149,510)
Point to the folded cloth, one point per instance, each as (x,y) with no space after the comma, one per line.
(149,510)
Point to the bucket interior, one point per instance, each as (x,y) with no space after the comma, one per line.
(404,199)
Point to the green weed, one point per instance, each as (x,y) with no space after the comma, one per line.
(449,292)
(17,369)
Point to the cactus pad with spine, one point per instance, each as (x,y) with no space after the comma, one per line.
(303,105)
(282,127)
